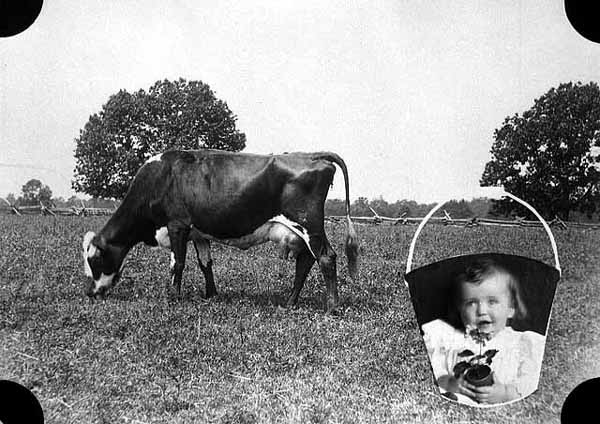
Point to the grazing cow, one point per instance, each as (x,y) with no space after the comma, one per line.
(237,199)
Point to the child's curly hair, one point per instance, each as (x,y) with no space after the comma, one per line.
(474,273)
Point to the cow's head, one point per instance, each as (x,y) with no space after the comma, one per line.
(101,263)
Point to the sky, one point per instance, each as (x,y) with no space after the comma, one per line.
(409,93)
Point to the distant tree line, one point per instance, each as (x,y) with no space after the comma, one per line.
(36,193)
(480,207)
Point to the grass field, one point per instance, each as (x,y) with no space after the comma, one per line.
(240,357)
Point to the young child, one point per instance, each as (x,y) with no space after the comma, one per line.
(485,297)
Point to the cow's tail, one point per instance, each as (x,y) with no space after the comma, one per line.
(351,237)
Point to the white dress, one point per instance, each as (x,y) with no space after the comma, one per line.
(517,363)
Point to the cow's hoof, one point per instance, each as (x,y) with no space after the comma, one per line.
(334,312)
(333,309)
(208,295)
(174,296)
(291,303)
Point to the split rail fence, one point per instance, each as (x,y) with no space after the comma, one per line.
(462,222)
(45,210)
(376,219)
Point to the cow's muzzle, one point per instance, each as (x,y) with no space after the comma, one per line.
(93,293)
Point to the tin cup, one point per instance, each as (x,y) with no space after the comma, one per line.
(485,310)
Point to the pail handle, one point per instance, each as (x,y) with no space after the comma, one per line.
(498,192)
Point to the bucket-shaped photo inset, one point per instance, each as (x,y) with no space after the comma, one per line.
(484,319)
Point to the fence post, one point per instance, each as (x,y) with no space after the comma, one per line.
(376,219)
(447,218)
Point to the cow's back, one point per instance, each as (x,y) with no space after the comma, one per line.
(231,194)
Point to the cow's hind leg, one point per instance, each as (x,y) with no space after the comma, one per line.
(304,262)
(202,247)
(178,236)
(327,263)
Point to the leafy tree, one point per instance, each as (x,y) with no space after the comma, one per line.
(335,207)
(480,206)
(35,192)
(456,209)
(360,207)
(408,208)
(402,208)
(547,156)
(131,127)
(74,201)
(382,207)
(411,208)
(59,202)
(11,198)
(101,203)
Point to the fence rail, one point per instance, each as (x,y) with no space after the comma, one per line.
(367,220)
(462,222)
(43,210)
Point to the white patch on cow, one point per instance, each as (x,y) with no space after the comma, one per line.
(155,158)
(172,262)
(86,267)
(296,228)
(162,237)
(103,281)
(289,235)
(88,251)
(92,250)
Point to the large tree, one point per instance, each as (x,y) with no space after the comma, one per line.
(34,193)
(548,155)
(131,127)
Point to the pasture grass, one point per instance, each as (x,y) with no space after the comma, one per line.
(139,357)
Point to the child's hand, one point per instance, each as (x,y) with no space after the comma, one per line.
(458,385)
(496,393)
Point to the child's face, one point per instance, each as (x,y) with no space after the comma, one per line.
(487,305)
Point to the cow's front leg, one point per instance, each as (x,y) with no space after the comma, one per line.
(178,236)
(327,263)
(304,262)
(202,247)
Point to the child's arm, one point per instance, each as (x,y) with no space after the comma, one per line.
(437,335)
(531,351)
